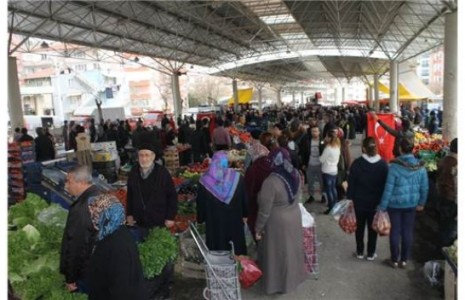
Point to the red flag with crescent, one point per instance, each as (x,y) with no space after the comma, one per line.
(384,140)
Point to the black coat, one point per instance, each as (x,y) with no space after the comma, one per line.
(153,200)
(115,270)
(366,183)
(44,148)
(78,238)
(223,222)
(199,144)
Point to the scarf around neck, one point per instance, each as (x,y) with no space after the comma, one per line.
(282,167)
(220,180)
(257,150)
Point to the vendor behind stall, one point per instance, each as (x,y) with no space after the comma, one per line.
(151,201)
(151,197)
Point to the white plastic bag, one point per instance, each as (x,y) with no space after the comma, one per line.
(307,218)
(340,208)
(433,272)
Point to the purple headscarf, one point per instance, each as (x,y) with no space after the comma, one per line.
(220,180)
(282,167)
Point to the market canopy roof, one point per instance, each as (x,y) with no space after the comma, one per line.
(269,40)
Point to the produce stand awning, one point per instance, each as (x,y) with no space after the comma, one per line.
(244,95)
(404,93)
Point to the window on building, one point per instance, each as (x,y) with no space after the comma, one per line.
(425,81)
(70,82)
(424,72)
(43,57)
(81,68)
(424,63)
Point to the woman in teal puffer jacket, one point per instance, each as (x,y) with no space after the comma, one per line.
(405,192)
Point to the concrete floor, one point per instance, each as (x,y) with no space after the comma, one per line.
(341,275)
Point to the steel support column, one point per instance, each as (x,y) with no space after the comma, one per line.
(176,95)
(293,99)
(393,86)
(235,95)
(449,127)
(302,98)
(15,106)
(376,90)
(260,100)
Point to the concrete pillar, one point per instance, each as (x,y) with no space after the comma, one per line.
(336,96)
(278,97)
(376,90)
(449,116)
(235,95)
(15,106)
(176,95)
(393,86)
(302,101)
(370,96)
(293,99)
(260,100)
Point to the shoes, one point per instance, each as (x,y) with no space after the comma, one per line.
(327,211)
(358,255)
(310,199)
(403,264)
(323,199)
(392,264)
(372,257)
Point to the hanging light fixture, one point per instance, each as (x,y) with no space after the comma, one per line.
(44,45)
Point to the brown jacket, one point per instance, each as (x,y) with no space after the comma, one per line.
(446,181)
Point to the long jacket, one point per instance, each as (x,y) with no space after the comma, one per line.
(78,238)
(153,200)
(406,184)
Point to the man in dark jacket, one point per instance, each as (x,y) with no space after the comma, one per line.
(79,234)
(44,146)
(25,137)
(151,197)
(151,200)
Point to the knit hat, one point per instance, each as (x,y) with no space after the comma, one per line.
(148,146)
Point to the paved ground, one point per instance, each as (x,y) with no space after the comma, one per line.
(342,276)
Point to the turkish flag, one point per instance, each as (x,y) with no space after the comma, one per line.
(384,140)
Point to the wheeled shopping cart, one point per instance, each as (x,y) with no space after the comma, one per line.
(221,271)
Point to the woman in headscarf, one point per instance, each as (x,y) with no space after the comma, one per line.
(279,226)
(254,176)
(222,205)
(115,270)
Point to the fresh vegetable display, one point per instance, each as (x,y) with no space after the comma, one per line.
(181,223)
(159,248)
(33,250)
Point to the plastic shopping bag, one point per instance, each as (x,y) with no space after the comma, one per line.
(307,218)
(348,221)
(249,272)
(340,208)
(381,223)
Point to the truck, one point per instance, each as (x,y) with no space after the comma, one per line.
(112,113)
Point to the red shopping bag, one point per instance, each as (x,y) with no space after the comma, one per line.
(348,221)
(249,273)
(381,223)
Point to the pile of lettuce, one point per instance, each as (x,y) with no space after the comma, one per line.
(34,241)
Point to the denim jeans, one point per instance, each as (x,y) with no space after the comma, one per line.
(330,188)
(402,226)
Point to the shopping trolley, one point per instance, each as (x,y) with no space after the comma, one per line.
(221,271)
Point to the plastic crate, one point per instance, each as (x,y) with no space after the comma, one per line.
(426,154)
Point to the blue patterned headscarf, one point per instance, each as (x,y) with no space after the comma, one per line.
(107,214)
(282,167)
(220,180)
